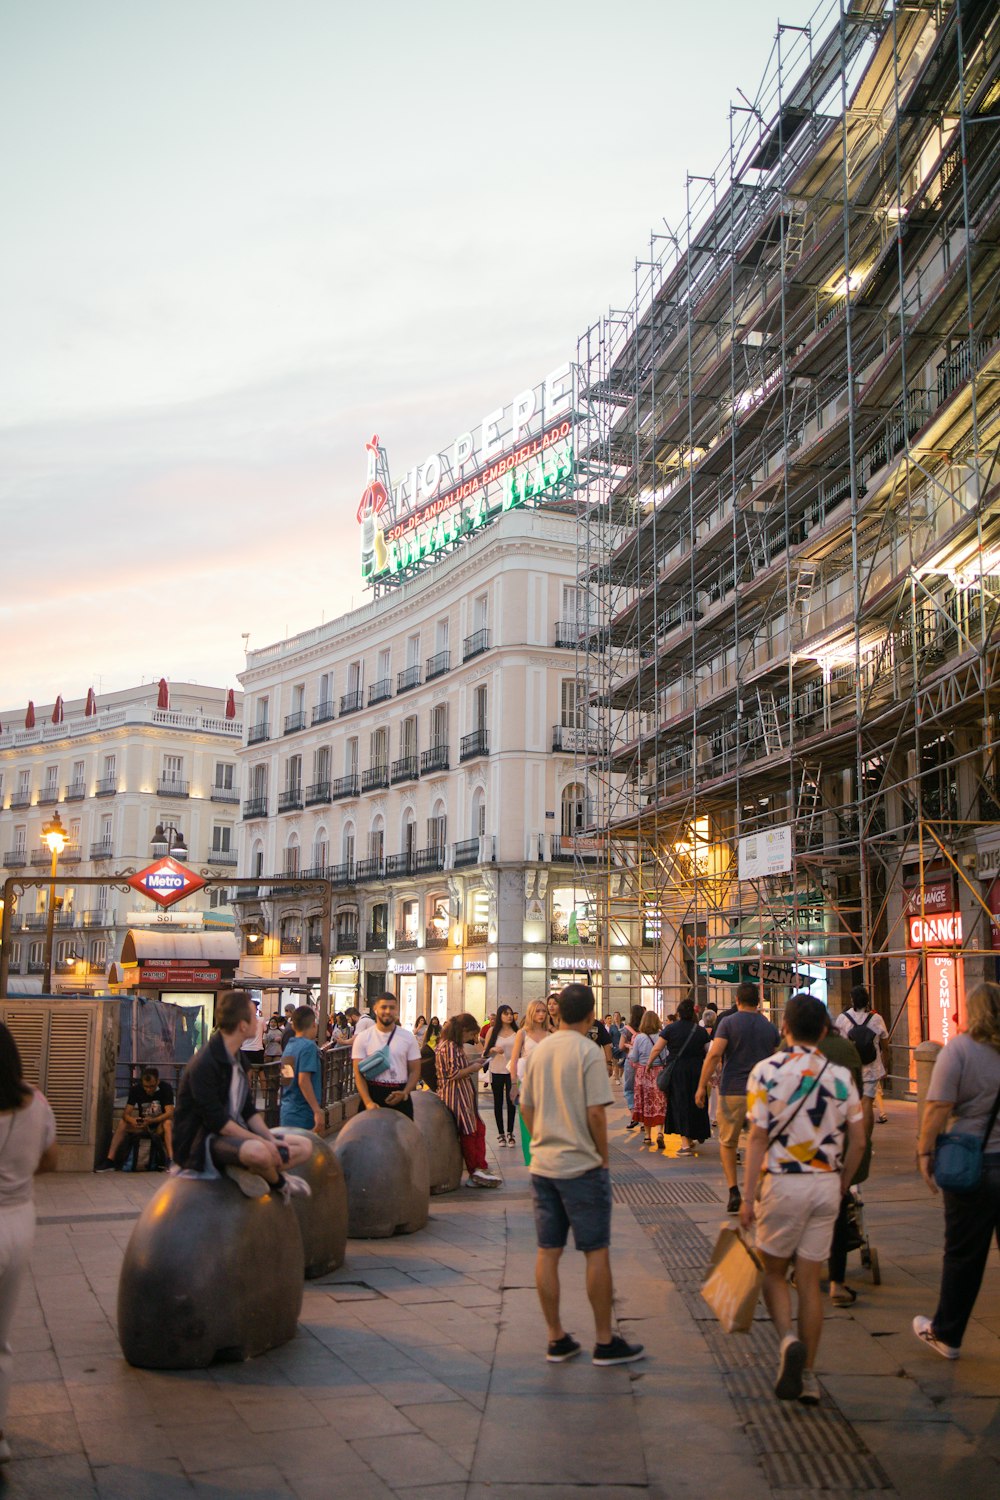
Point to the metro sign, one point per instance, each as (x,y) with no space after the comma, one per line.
(166,881)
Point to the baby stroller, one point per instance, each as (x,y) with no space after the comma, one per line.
(857,1236)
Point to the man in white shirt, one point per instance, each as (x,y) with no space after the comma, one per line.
(869,1033)
(565,1093)
(388,1087)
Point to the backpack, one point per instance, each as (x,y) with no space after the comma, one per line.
(428,1068)
(864,1039)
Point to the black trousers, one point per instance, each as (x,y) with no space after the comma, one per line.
(501,1090)
(971,1220)
(379,1093)
(838,1245)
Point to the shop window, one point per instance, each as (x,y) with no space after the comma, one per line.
(573,916)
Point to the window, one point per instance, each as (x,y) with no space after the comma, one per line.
(478,813)
(314,934)
(348,845)
(51,778)
(263,712)
(20,838)
(413,650)
(110,767)
(384,665)
(293,773)
(298,697)
(408,737)
(222,838)
(290,933)
(257,863)
(380,919)
(480,612)
(291,859)
(74,833)
(409,834)
(437,831)
(325,688)
(354,677)
(24,783)
(258,782)
(438,918)
(574,810)
(78,772)
(99,953)
(409,912)
(173,768)
(379,745)
(225,773)
(376,843)
(351,756)
(321,764)
(441,635)
(573,705)
(439,725)
(36,953)
(321,851)
(480,704)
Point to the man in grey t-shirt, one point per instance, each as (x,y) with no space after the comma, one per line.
(742,1039)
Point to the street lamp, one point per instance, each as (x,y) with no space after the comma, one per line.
(54,839)
(168,836)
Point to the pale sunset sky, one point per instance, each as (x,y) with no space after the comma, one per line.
(240,236)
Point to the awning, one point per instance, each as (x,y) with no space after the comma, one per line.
(26,986)
(141,944)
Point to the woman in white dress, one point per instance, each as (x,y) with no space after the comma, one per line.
(534,1031)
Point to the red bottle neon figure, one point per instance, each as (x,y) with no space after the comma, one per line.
(374,501)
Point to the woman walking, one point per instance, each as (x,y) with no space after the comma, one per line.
(686,1043)
(628,1036)
(534,1030)
(499,1049)
(27,1146)
(965,1088)
(456,1087)
(650,1105)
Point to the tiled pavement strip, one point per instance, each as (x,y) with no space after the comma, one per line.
(417,1371)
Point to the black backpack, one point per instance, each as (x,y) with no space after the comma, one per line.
(864,1039)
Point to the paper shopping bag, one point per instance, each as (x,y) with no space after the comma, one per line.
(735,1277)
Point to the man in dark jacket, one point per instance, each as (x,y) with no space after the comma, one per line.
(215,1116)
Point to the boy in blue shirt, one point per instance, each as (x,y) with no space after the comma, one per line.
(300,1074)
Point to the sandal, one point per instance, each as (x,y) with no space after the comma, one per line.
(846,1297)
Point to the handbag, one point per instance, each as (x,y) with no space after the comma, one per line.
(666,1072)
(733,1281)
(377,1062)
(958,1156)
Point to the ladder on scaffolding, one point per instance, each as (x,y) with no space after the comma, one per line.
(805,584)
(808,807)
(769,722)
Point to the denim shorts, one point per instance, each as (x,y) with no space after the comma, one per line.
(583,1203)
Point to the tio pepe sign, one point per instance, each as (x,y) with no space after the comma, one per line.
(166,881)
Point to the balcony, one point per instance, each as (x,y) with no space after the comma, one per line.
(569,846)
(41,857)
(290,944)
(222,858)
(346,940)
(475,644)
(341,874)
(437,665)
(15,859)
(255,807)
(225,794)
(477,934)
(399,864)
(351,702)
(257,734)
(35,921)
(376,942)
(434,759)
(19,799)
(99,916)
(36,966)
(318,792)
(106,787)
(47,796)
(408,678)
(568,634)
(344,786)
(572,741)
(375,778)
(380,691)
(290,800)
(295,721)
(466,852)
(407,768)
(169,786)
(370,869)
(324,712)
(406,940)
(433,938)
(71,855)
(429,859)
(102,849)
(75,792)
(472,745)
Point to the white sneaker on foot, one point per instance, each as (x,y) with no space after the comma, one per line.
(250,1184)
(810,1392)
(294,1187)
(487,1179)
(924,1329)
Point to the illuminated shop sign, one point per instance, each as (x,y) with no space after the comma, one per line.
(941,931)
(516,456)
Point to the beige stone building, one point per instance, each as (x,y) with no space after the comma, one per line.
(113,775)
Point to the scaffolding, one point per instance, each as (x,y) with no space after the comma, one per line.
(789,522)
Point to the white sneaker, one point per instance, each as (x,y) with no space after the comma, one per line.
(473,1182)
(810,1393)
(294,1187)
(924,1330)
(487,1179)
(250,1184)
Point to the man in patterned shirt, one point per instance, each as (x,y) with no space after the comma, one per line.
(807,1138)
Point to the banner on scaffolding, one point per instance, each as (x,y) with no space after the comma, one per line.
(768,852)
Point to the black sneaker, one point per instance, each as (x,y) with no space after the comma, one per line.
(632,1125)
(560,1350)
(735,1201)
(791,1364)
(107,1165)
(618,1352)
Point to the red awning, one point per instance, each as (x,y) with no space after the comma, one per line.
(163,695)
(29,718)
(230,704)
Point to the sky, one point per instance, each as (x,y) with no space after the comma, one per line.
(240,236)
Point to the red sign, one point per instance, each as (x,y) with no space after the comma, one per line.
(943,931)
(993,902)
(944,997)
(166,881)
(168,973)
(936,897)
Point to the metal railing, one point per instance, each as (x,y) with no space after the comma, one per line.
(475,644)
(351,702)
(169,786)
(379,691)
(438,664)
(319,791)
(374,778)
(324,712)
(409,677)
(344,786)
(290,800)
(295,721)
(225,794)
(434,759)
(258,733)
(75,792)
(106,787)
(472,745)
(407,768)
(255,807)
(336,1084)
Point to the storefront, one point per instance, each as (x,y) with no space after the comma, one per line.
(172,980)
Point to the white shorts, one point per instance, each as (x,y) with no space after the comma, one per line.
(796,1214)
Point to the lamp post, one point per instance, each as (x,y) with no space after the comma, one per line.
(168,836)
(54,839)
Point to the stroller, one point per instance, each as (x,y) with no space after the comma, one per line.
(858,1236)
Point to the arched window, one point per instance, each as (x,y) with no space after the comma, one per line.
(291,860)
(321,850)
(408,839)
(376,838)
(574,810)
(257,859)
(290,932)
(347,846)
(314,933)
(477,823)
(437,827)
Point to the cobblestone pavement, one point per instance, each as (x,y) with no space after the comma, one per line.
(417,1370)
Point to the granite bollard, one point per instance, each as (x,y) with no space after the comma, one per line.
(436,1124)
(209,1275)
(385,1166)
(323,1216)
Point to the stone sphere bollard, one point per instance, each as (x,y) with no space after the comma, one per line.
(436,1124)
(386,1170)
(209,1275)
(322,1217)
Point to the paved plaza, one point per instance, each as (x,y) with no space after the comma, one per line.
(418,1370)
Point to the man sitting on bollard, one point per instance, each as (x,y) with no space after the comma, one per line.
(148,1116)
(217,1124)
(386,1059)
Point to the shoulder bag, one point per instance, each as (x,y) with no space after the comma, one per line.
(958,1156)
(666,1072)
(377,1062)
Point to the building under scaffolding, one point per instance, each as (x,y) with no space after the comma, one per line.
(790,532)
